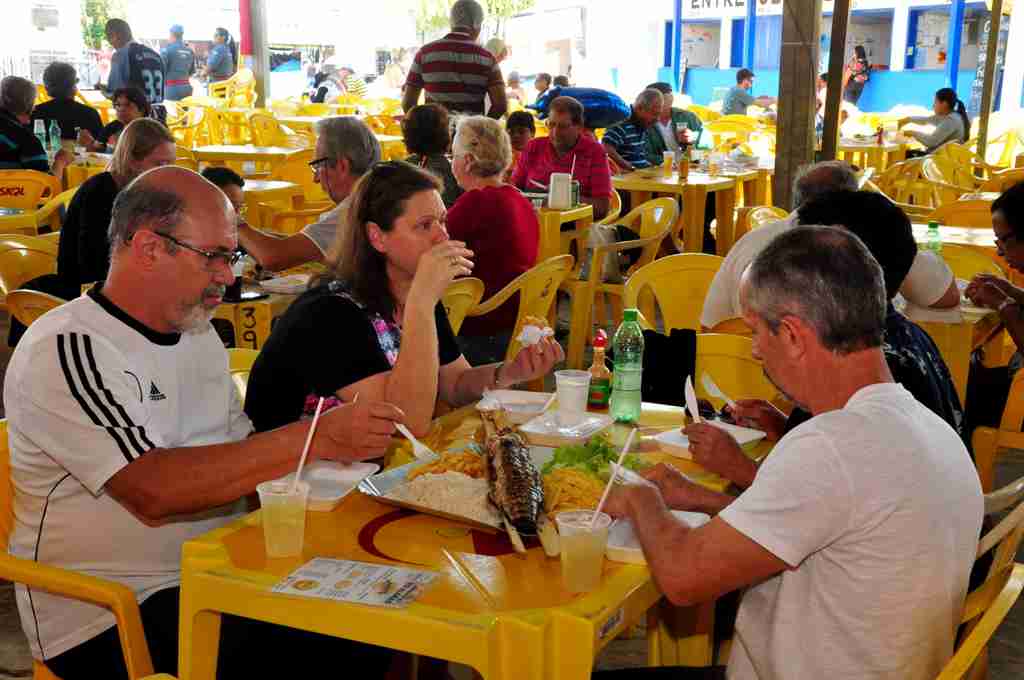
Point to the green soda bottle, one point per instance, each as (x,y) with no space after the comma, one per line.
(627,377)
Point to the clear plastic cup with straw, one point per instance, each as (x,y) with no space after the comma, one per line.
(583,536)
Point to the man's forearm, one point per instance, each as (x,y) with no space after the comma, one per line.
(616,158)
(274,253)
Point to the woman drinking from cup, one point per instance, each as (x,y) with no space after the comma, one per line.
(374,326)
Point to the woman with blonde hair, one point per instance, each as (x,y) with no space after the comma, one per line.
(83,254)
(497,223)
(373,327)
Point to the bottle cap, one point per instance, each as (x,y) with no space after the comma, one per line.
(933,225)
(629,314)
(600,339)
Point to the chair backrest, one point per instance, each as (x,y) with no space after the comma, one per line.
(946,189)
(648,220)
(987,604)
(240,361)
(191,128)
(216,126)
(536,287)
(966,262)
(729,360)
(29,305)
(614,209)
(958,164)
(765,214)
(971,213)
(679,283)
(266,130)
(26,189)
(1003,180)
(23,258)
(6,489)
(905,183)
(462,295)
(53,213)
(296,170)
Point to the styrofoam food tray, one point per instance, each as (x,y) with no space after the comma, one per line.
(624,546)
(329,482)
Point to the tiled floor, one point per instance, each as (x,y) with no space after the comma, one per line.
(1007,649)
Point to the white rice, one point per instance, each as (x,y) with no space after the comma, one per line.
(450,492)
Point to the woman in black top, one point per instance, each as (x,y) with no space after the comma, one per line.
(83,253)
(129,104)
(374,326)
(60,80)
(858,74)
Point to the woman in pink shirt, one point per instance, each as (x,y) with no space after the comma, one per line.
(497,223)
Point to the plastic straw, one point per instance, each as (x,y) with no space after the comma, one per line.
(305,449)
(572,168)
(611,479)
(547,404)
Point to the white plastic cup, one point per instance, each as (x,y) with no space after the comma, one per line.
(582,547)
(284,517)
(668,161)
(572,388)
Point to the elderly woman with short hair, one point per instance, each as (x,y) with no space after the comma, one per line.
(497,223)
(21,150)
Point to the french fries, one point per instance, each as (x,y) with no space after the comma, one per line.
(466,462)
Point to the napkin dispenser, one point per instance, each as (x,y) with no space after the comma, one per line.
(560,191)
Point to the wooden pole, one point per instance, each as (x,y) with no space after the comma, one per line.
(260,49)
(836,61)
(801,30)
(991,52)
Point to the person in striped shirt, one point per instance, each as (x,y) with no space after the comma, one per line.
(354,85)
(456,71)
(626,142)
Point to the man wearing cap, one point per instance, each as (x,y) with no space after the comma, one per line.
(179,64)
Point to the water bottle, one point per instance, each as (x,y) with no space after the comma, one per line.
(39,129)
(627,377)
(54,136)
(934,238)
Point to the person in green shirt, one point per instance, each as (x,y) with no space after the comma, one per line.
(672,125)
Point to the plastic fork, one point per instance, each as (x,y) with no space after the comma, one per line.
(419,449)
(714,391)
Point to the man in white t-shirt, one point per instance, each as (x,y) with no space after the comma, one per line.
(345,150)
(930,282)
(856,538)
(126,433)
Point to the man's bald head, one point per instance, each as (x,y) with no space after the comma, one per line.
(822,178)
(161,199)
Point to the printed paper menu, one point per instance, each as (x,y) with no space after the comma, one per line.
(359,582)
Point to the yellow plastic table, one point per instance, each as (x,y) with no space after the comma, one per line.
(688,233)
(553,241)
(504,614)
(975,237)
(299,123)
(956,340)
(258,191)
(870,154)
(221,154)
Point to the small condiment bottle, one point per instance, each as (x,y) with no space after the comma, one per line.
(684,163)
(880,133)
(600,376)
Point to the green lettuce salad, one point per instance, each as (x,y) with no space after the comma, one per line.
(594,457)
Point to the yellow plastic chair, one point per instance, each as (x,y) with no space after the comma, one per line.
(945,188)
(26,189)
(536,289)
(973,213)
(296,171)
(729,360)
(652,221)
(23,258)
(285,107)
(1002,180)
(748,219)
(967,262)
(28,305)
(614,209)
(988,441)
(216,126)
(724,129)
(315,110)
(287,222)
(904,183)
(41,95)
(679,283)
(384,125)
(268,131)
(961,165)
(733,326)
(461,296)
(190,127)
(119,599)
(705,114)
(240,361)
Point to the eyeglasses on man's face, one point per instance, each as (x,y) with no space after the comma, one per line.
(212,258)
